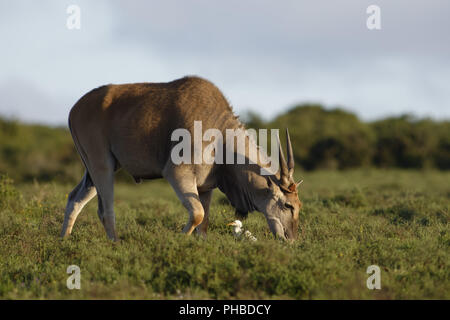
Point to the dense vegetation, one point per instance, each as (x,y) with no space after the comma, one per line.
(395,219)
(331,139)
(352,218)
(37,152)
(337,139)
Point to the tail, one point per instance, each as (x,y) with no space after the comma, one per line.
(78,147)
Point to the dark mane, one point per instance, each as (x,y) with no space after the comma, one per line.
(236,191)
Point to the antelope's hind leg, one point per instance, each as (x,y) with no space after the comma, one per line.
(77,199)
(100,211)
(102,173)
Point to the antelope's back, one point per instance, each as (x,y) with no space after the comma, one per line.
(135,121)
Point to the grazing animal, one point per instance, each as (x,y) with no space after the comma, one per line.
(129,126)
(239,232)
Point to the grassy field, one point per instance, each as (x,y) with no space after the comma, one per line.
(398,220)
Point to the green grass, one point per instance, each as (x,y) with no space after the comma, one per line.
(398,220)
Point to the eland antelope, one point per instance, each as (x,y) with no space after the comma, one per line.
(129,126)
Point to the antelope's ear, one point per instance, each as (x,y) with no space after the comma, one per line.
(289,189)
(270,182)
(293,187)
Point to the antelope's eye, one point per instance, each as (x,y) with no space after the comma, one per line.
(289,205)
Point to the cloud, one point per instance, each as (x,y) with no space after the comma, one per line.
(24,100)
(264,55)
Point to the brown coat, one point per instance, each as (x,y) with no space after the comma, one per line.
(129,126)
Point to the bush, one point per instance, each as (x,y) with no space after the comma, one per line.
(333,139)
(405,142)
(441,155)
(330,139)
(8,193)
(29,152)
(337,139)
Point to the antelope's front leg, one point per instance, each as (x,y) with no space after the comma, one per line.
(183,183)
(205,199)
(196,213)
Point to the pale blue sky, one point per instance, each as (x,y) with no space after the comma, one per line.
(265,56)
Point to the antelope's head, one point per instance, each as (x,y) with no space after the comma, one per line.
(280,203)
